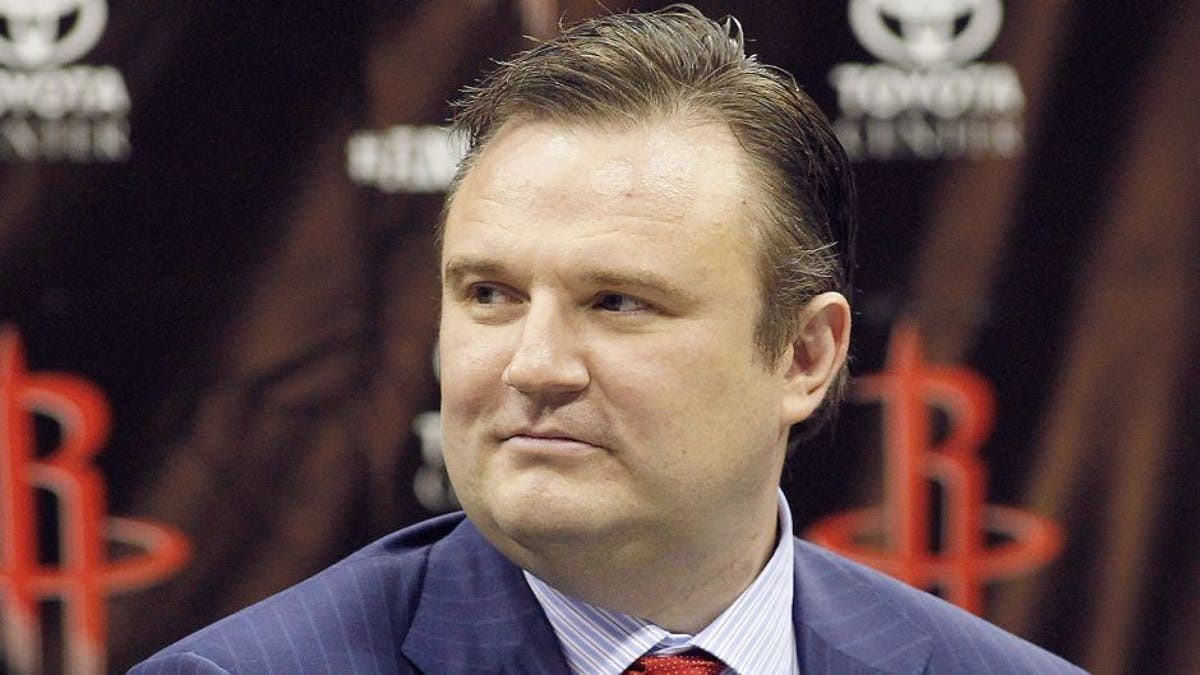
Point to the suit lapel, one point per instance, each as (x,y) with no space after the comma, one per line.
(844,626)
(476,614)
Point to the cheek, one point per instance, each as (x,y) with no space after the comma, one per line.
(673,396)
(703,393)
(470,384)
(469,358)
(464,401)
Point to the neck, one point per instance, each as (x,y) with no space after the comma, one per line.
(680,585)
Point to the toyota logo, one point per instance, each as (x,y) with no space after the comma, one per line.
(45,33)
(924,33)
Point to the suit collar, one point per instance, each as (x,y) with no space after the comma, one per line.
(476,614)
(845,626)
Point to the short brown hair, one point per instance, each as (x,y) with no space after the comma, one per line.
(633,67)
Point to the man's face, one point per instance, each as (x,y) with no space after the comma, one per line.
(600,380)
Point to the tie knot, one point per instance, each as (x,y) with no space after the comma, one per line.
(692,663)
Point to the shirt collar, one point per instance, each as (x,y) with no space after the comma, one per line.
(753,635)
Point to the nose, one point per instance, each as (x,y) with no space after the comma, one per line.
(547,358)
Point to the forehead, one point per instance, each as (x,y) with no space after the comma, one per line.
(662,175)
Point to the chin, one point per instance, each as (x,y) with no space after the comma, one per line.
(537,522)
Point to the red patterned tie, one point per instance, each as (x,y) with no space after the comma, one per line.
(691,663)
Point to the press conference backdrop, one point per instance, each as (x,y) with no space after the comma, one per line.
(219,301)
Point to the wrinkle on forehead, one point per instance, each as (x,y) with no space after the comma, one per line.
(657,178)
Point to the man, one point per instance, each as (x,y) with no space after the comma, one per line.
(644,300)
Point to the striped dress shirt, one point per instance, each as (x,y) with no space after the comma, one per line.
(753,636)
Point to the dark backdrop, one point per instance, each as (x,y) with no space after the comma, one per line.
(262,316)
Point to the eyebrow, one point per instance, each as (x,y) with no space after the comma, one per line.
(459,267)
(640,279)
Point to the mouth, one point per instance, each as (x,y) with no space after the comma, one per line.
(547,442)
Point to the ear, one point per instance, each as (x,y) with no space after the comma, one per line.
(816,355)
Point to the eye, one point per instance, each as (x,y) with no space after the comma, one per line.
(487,294)
(616,302)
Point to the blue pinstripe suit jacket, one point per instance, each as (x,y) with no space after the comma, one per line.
(436,598)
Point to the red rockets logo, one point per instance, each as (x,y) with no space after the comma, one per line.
(962,561)
(84,574)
